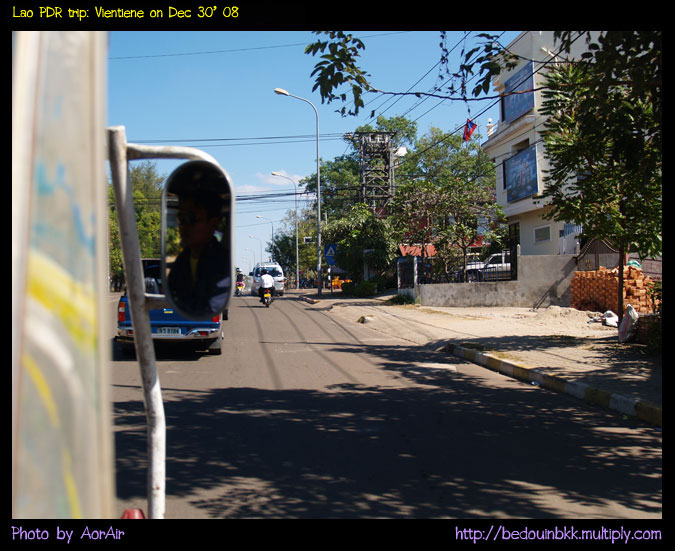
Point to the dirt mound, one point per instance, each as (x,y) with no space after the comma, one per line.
(560,312)
(571,320)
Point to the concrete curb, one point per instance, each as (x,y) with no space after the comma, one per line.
(645,411)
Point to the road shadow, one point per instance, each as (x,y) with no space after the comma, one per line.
(448,446)
(601,362)
(164,352)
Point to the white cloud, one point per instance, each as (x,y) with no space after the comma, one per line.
(268,183)
(248,188)
(278,181)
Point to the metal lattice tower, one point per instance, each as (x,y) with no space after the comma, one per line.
(376,168)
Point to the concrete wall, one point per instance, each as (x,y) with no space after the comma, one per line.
(543,280)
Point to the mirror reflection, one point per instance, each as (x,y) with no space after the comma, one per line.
(197,240)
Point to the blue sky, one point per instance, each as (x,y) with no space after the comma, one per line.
(219,86)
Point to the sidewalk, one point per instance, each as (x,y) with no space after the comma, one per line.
(553,347)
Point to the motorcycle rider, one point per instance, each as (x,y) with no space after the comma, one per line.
(240,281)
(266,282)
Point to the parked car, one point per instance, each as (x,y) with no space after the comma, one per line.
(473,268)
(167,325)
(274,270)
(497,267)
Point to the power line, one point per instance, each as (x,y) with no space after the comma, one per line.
(411,87)
(236,50)
(262,198)
(253,141)
(303,138)
(445,99)
(435,87)
(417,153)
(298,136)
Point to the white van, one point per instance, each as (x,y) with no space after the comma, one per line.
(274,270)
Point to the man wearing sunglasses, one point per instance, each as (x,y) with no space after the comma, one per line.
(199,278)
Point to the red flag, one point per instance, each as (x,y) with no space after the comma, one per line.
(468,129)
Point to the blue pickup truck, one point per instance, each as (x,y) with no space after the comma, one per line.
(166,324)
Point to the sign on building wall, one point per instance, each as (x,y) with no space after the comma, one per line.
(520,172)
(516,105)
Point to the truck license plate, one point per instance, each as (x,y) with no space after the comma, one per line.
(168,330)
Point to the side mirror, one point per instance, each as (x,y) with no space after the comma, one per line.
(197,208)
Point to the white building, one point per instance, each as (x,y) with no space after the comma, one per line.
(516,147)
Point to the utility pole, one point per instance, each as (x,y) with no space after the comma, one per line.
(376,168)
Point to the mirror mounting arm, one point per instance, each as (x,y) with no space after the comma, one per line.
(120,152)
(136,151)
(118,155)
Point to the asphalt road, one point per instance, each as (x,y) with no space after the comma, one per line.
(308,416)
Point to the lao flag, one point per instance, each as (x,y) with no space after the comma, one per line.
(468,129)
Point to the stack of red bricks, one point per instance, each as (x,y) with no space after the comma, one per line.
(598,290)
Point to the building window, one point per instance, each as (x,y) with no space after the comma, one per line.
(542,233)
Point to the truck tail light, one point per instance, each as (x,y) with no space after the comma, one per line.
(121,314)
(216,319)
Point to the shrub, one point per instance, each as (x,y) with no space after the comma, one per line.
(348,288)
(362,289)
(402,299)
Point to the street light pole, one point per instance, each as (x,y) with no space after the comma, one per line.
(283,92)
(270,221)
(297,254)
(261,255)
(253,253)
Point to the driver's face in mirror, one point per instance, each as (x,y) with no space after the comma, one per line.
(196,224)
(198,276)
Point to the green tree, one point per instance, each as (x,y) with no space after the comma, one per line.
(148,224)
(361,237)
(340,190)
(339,184)
(114,248)
(405,130)
(339,69)
(603,141)
(414,212)
(282,249)
(340,177)
(147,186)
(453,200)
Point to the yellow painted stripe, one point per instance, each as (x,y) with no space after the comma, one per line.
(521,372)
(597,396)
(493,363)
(42,387)
(554,383)
(71,488)
(68,299)
(650,413)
